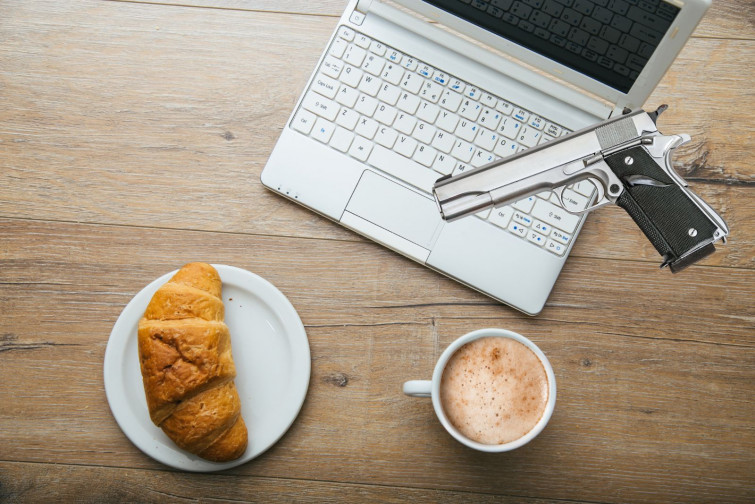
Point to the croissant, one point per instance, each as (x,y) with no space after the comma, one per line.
(187,366)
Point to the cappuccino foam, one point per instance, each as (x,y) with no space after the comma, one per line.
(494,390)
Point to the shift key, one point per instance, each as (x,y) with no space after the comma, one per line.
(555,215)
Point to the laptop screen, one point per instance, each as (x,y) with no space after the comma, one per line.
(607,40)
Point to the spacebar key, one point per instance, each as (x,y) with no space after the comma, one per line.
(402,168)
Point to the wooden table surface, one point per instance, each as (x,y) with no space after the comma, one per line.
(132,136)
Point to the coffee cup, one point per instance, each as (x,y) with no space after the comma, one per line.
(492,389)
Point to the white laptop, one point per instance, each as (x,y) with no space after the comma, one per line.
(409,91)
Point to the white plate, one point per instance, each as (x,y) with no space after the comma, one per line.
(270,350)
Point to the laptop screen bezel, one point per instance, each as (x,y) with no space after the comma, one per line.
(690,14)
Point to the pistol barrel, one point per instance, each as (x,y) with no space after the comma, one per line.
(547,166)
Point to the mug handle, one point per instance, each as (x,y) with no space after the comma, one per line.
(418,388)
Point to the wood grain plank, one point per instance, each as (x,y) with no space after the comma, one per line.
(21,483)
(175,133)
(654,393)
(723,20)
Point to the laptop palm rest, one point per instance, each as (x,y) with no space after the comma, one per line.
(403,219)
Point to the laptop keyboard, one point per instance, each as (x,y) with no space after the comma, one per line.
(618,35)
(417,123)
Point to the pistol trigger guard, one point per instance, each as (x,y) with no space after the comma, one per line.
(600,199)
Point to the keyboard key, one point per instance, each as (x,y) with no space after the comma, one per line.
(386,136)
(505,147)
(405,145)
(444,164)
(338,47)
(362,41)
(466,130)
(431,91)
(536,122)
(489,118)
(443,141)
(389,93)
(351,76)
(331,67)
(555,215)
(488,100)
(346,33)
(482,157)
(552,130)
(472,92)
(521,115)
(354,55)
(385,114)
(347,118)
(541,227)
(366,105)
(509,128)
(457,85)
(463,151)
(555,247)
(402,168)
(412,82)
(574,201)
(521,218)
(360,148)
(325,86)
(486,139)
(501,216)
(367,127)
(341,139)
(347,96)
(424,132)
(460,168)
(525,205)
(426,71)
(370,85)
(529,136)
(405,123)
(377,48)
(584,187)
(409,63)
(304,121)
(450,100)
(504,107)
(536,238)
(427,111)
(560,237)
(425,155)
(323,130)
(392,73)
(470,109)
(408,103)
(373,64)
(517,229)
(447,121)
(321,106)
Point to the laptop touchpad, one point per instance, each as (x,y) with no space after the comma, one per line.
(393,207)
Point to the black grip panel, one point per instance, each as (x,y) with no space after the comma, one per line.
(673,223)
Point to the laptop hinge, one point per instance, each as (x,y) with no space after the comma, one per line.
(363,6)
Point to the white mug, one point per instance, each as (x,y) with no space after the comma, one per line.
(431,388)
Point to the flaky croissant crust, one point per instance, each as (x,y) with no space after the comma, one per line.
(187,366)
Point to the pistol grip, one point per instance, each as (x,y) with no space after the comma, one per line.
(678,229)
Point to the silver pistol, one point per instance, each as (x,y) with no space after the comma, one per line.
(627,160)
